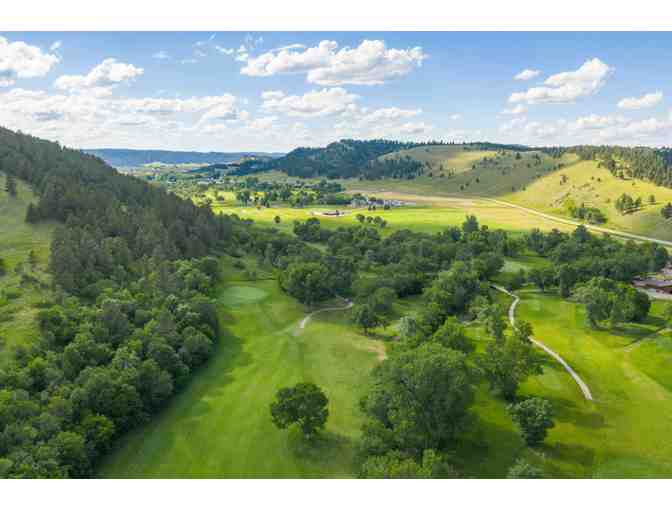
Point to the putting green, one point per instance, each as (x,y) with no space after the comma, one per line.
(241,295)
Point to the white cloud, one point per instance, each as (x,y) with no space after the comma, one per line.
(87,120)
(567,86)
(272,94)
(637,103)
(21,60)
(512,124)
(637,131)
(108,73)
(188,61)
(414,128)
(56,45)
(527,74)
(225,51)
(388,114)
(316,103)
(456,116)
(391,122)
(161,55)
(371,63)
(596,122)
(519,109)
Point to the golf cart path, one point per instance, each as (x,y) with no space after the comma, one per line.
(512,310)
(307,318)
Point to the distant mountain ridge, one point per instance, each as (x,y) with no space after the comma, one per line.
(137,157)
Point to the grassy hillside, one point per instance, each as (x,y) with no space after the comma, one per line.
(584,182)
(481,173)
(19,300)
(451,157)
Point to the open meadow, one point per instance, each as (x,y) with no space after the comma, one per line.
(19,300)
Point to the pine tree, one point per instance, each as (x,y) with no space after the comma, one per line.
(32,216)
(10,185)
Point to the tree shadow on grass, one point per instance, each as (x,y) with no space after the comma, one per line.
(573,454)
(320,449)
(486,450)
(566,410)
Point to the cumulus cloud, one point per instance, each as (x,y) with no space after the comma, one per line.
(87,119)
(414,128)
(527,74)
(56,45)
(637,103)
(107,74)
(596,122)
(371,63)
(567,86)
(21,60)
(637,131)
(316,103)
(519,109)
(391,122)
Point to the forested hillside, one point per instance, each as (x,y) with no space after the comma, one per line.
(131,317)
(345,158)
(362,158)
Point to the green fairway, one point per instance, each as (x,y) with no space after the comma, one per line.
(220,425)
(18,302)
(625,431)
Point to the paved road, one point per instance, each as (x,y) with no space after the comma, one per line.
(577,223)
(512,309)
(307,318)
(594,228)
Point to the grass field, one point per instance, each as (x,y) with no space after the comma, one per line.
(18,303)
(428,214)
(220,426)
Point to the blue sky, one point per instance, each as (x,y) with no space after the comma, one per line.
(278,90)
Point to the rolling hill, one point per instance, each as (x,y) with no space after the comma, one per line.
(585,182)
(134,157)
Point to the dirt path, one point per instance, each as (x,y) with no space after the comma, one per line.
(307,318)
(512,310)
